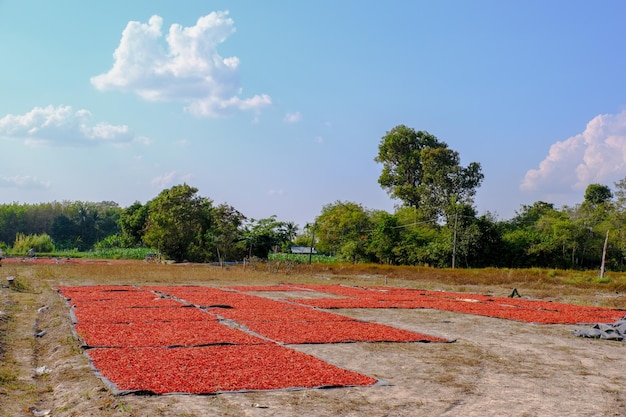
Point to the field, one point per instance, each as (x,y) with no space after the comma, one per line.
(495,366)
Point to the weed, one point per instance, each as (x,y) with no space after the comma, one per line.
(7,376)
(19,284)
(123,407)
(67,407)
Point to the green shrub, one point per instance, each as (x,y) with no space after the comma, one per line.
(39,243)
(302,258)
(110,242)
(122,253)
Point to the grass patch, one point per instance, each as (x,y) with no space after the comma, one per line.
(19,284)
(303,258)
(7,375)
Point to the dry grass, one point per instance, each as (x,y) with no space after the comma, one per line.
(540,281)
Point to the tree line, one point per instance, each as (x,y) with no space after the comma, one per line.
(435,223)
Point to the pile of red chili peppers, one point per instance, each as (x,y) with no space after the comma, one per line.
(200,340)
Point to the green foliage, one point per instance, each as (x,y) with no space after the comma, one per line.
(8,375)
(69,224)
(342,229)
(122,253)
(229,233)
(39,243)
(436,224)
(384,237)
(267,235)
(400,152)
(132,223)
(303,258)
(20,285)
(110,242)
(597,194)
(303,239)
(424,173)
(179,224)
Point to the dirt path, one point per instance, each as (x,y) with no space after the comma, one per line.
(496,367)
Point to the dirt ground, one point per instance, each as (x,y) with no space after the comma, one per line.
(495,367)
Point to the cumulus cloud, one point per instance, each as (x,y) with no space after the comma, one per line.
(61,125)
(23,182)
(597,155)
(186,67)
(293,117)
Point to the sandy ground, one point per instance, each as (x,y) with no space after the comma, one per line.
(495,368)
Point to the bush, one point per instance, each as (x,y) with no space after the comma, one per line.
(123,253)
(110,242)
(39,243)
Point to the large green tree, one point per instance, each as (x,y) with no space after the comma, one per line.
(266,235)
(132,223)
(230,233)
(342,229)
(425,173)
(596,194)
(400,152)
(179,224)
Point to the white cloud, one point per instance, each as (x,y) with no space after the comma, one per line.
(293,117)
(23,182)
(163,181)
(275,193)
(187,178)
(597,155)
(61,125)
(186,68)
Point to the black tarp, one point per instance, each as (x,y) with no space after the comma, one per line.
(615,331)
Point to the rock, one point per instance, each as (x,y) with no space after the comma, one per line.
(39,413)
(42,370)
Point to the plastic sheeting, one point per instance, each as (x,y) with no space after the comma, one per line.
(615,331)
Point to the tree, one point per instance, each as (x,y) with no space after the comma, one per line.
(266,235)
(596,194)
(64,232)
(416,238)
(619,219)
(529,215)
(620,194)
(133,221)
(179,224)
(424,173)
(229,233)
(342,229)
(400,152)
(384,237)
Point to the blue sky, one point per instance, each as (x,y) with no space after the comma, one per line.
(279,107)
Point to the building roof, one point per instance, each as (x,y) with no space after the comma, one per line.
(303,249)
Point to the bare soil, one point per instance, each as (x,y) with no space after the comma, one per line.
(495,367)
